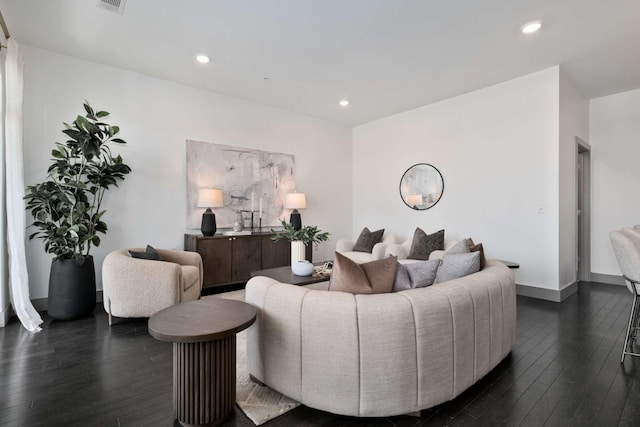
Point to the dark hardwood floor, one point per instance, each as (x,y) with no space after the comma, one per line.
(564,370)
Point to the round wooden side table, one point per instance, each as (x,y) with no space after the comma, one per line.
(203,333)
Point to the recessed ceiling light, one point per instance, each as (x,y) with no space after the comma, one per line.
(343,103)
(202,58)
(531,27)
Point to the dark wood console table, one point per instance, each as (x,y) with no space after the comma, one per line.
(229,260)
(203,333)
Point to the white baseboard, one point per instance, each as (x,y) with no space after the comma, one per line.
(609,279)
(554,295)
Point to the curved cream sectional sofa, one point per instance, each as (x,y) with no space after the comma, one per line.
(384,354)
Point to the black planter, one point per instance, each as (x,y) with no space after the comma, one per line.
(72,289)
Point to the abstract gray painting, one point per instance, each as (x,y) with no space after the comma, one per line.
(244,175)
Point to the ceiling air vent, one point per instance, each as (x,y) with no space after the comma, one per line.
(116,6)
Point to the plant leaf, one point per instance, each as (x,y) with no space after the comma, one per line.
(88,108)
(82,124)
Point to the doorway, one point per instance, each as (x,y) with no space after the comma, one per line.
(583,210)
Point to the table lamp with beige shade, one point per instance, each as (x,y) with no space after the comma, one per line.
(295,201)
(209,198)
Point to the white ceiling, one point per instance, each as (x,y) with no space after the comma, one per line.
(385,56)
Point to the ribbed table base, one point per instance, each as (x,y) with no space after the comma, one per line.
(204,381)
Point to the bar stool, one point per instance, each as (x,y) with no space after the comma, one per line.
(626,246)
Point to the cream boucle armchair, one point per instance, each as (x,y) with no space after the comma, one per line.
(135,287)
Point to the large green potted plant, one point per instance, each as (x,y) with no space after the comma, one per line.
(66,208)
(299,238)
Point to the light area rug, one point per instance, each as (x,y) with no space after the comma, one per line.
(259,403)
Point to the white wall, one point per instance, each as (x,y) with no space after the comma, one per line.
(156,117)
(497,149)
(615,173)
(574,121)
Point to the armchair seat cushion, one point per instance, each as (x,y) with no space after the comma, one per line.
(190,276)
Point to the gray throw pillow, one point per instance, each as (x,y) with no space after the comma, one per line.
(150,253)
(455,266)
(367,240)
(459,248)
(423,244)
(401,282)
(423,274)
(415,275)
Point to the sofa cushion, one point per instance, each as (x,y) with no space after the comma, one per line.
(423,244)
(359,257)
(454,266)
(414,275)
(190,276)
(473,247)
(367,240)
(149,253)
(375,277)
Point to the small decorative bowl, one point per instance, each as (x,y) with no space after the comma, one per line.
(302,268)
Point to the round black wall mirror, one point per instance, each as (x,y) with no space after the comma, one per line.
(421,186)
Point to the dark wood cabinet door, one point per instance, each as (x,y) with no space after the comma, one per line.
(275,254)
(216,260)
(246,257)
(230,259)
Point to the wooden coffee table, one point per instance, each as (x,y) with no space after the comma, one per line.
(203,333)
(285,275)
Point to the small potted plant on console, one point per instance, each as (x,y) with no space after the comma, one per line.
(299,240)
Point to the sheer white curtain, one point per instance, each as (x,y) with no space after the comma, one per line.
(4,274)
(16,225)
